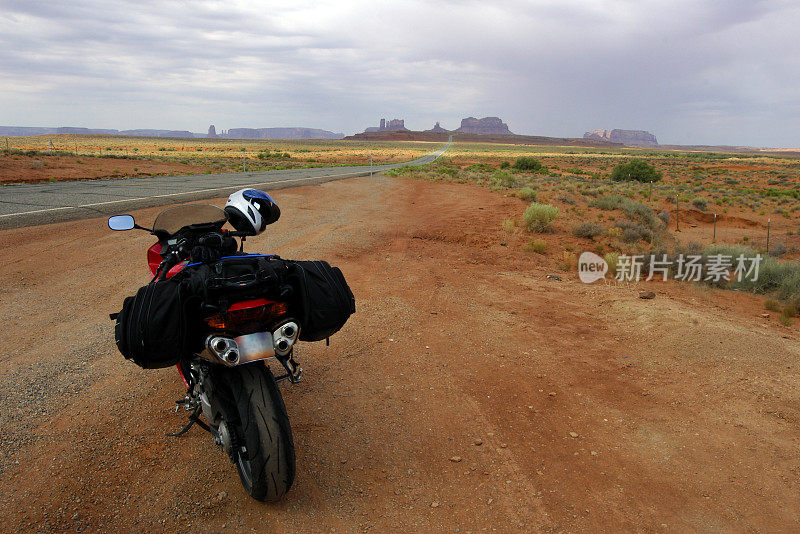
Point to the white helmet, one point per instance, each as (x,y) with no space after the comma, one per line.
(251,210)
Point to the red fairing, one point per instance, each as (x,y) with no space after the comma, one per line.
(154,260)
(154,257)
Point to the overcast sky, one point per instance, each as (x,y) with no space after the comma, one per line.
(700,72)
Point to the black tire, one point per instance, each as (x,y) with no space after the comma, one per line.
(266,467)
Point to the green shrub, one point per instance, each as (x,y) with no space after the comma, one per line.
(635,170)
(539,217)
(641,212)
(635,210)
(611,202)
(700,203)
(781,278)
(527,163)
(502,179)
(505,165)
(772,305)
(266,154)
(536,246)
(588,230)
(527,194)
(633,232)
(612,259)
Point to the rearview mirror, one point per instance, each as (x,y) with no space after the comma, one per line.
(121,222)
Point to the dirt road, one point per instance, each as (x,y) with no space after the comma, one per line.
(469,392)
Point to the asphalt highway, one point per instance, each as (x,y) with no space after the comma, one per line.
(44,203)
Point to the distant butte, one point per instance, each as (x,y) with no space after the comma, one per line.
(626,137)
(484,126)
(437,128)
(394,125)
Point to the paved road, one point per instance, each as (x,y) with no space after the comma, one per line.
(33,204)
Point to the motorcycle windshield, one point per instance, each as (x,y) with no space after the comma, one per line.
(173,219)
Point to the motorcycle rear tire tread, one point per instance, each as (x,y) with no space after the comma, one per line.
(265,429)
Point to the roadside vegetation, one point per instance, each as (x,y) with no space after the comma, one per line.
(623,202)
(47,152)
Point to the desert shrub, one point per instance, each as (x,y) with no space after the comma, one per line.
(505,165)
(785,320)
(567,200)
(539,217)
(612,259)
(527,194)
(588,230)
(568,261)
(527,163)
(502,179)
(778,250)
(266,154)
(635,210)
(772,305)
(509,225)
(641,212)
(633,232)
(635,170)
(790,311)
(535,246)
(774,276)
(700,203)
(611,202)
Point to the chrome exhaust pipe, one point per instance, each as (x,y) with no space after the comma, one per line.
(251,347)
(231,356)
(284,337)
(239,350)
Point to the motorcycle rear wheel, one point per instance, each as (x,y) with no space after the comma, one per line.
(266,463)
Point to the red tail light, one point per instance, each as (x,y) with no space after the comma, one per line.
(248,316)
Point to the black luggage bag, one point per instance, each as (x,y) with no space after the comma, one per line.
(151,327)
(324,299)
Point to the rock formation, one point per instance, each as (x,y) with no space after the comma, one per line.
(484,126)
(158,133)
(233,133)
(437,128)
(394,125)
(281,133)
(626,137)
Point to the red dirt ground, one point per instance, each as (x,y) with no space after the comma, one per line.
(469,392)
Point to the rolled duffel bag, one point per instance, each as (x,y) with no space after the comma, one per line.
(324,298)
(235,278)
(151,327)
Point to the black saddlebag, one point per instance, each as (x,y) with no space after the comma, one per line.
(151,327)
(323,298)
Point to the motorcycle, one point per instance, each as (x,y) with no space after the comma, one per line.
(231,391)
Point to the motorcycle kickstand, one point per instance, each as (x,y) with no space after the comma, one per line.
(293,371)
(194,419)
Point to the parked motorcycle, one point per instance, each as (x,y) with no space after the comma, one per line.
(220,316)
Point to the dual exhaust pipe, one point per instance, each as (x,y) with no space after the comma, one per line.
(252,347)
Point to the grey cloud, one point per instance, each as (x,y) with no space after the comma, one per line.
(715,72)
